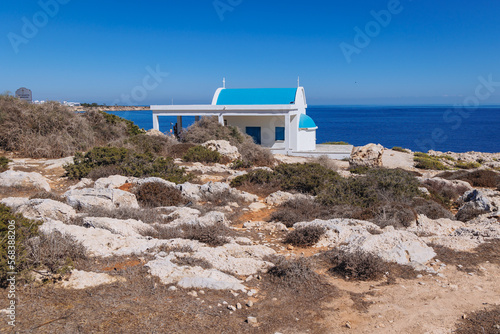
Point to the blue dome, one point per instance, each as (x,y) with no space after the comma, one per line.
(306,122)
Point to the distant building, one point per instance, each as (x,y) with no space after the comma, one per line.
(71,104)
(24,94)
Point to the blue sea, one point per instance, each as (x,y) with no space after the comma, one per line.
(417,128)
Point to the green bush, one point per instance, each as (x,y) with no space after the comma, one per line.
(378,185)
(202,154)
(399,149)
(335,143)
(306,178)
(425,161)
(467,165)
(259,176)
(127,162)
(132,129)
(24,230)
(4,162)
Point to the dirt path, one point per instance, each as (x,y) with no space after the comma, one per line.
(431,304)
(395,159)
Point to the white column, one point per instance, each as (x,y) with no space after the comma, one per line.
(221,119)
(179,123)
(287,133)
(156,122)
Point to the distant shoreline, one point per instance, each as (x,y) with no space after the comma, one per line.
(111,108)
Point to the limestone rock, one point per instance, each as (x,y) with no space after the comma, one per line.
(12,178)
(113,181)
(192,277)
(126,228)
(438,183)
(101,242)
(280,197)
(14,202)
(46,208)
(101,198)
(427,226)
(265,226)
(84,279)
(339,230)
(369,155)
(84,183)
(214,188)
(392,246)
(153,180)
(256,206)
(241,260)
(224,148)
(190,190)
(475,199)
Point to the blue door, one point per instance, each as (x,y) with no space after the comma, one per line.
(254,132)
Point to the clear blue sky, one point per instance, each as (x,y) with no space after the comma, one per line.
(431,52)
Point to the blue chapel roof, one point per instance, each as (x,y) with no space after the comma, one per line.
(257,96)
(306,122)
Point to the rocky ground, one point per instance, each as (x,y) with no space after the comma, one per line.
(135,281)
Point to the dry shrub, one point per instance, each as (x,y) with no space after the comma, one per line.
(394,214)
(431,209)
(470,260)
(144,143)
(298,210)
(192,262)
(208,128)
(54,131)
(212,235)
(177,151)
(478,178)
(202,154)
(55,252)
(104,171)
(155,194)
(146,215)
(4,164)
(357,265)
(48,195)
(255,155)
(469,212)
(485,321)
(218,199)
(326,162)
(304,236)
(293,273)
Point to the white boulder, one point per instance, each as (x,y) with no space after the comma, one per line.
(113,181)
(47,208)
(12,178)
(224,148)
(101,198)
(126,228)
(369,155)
(84,279)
